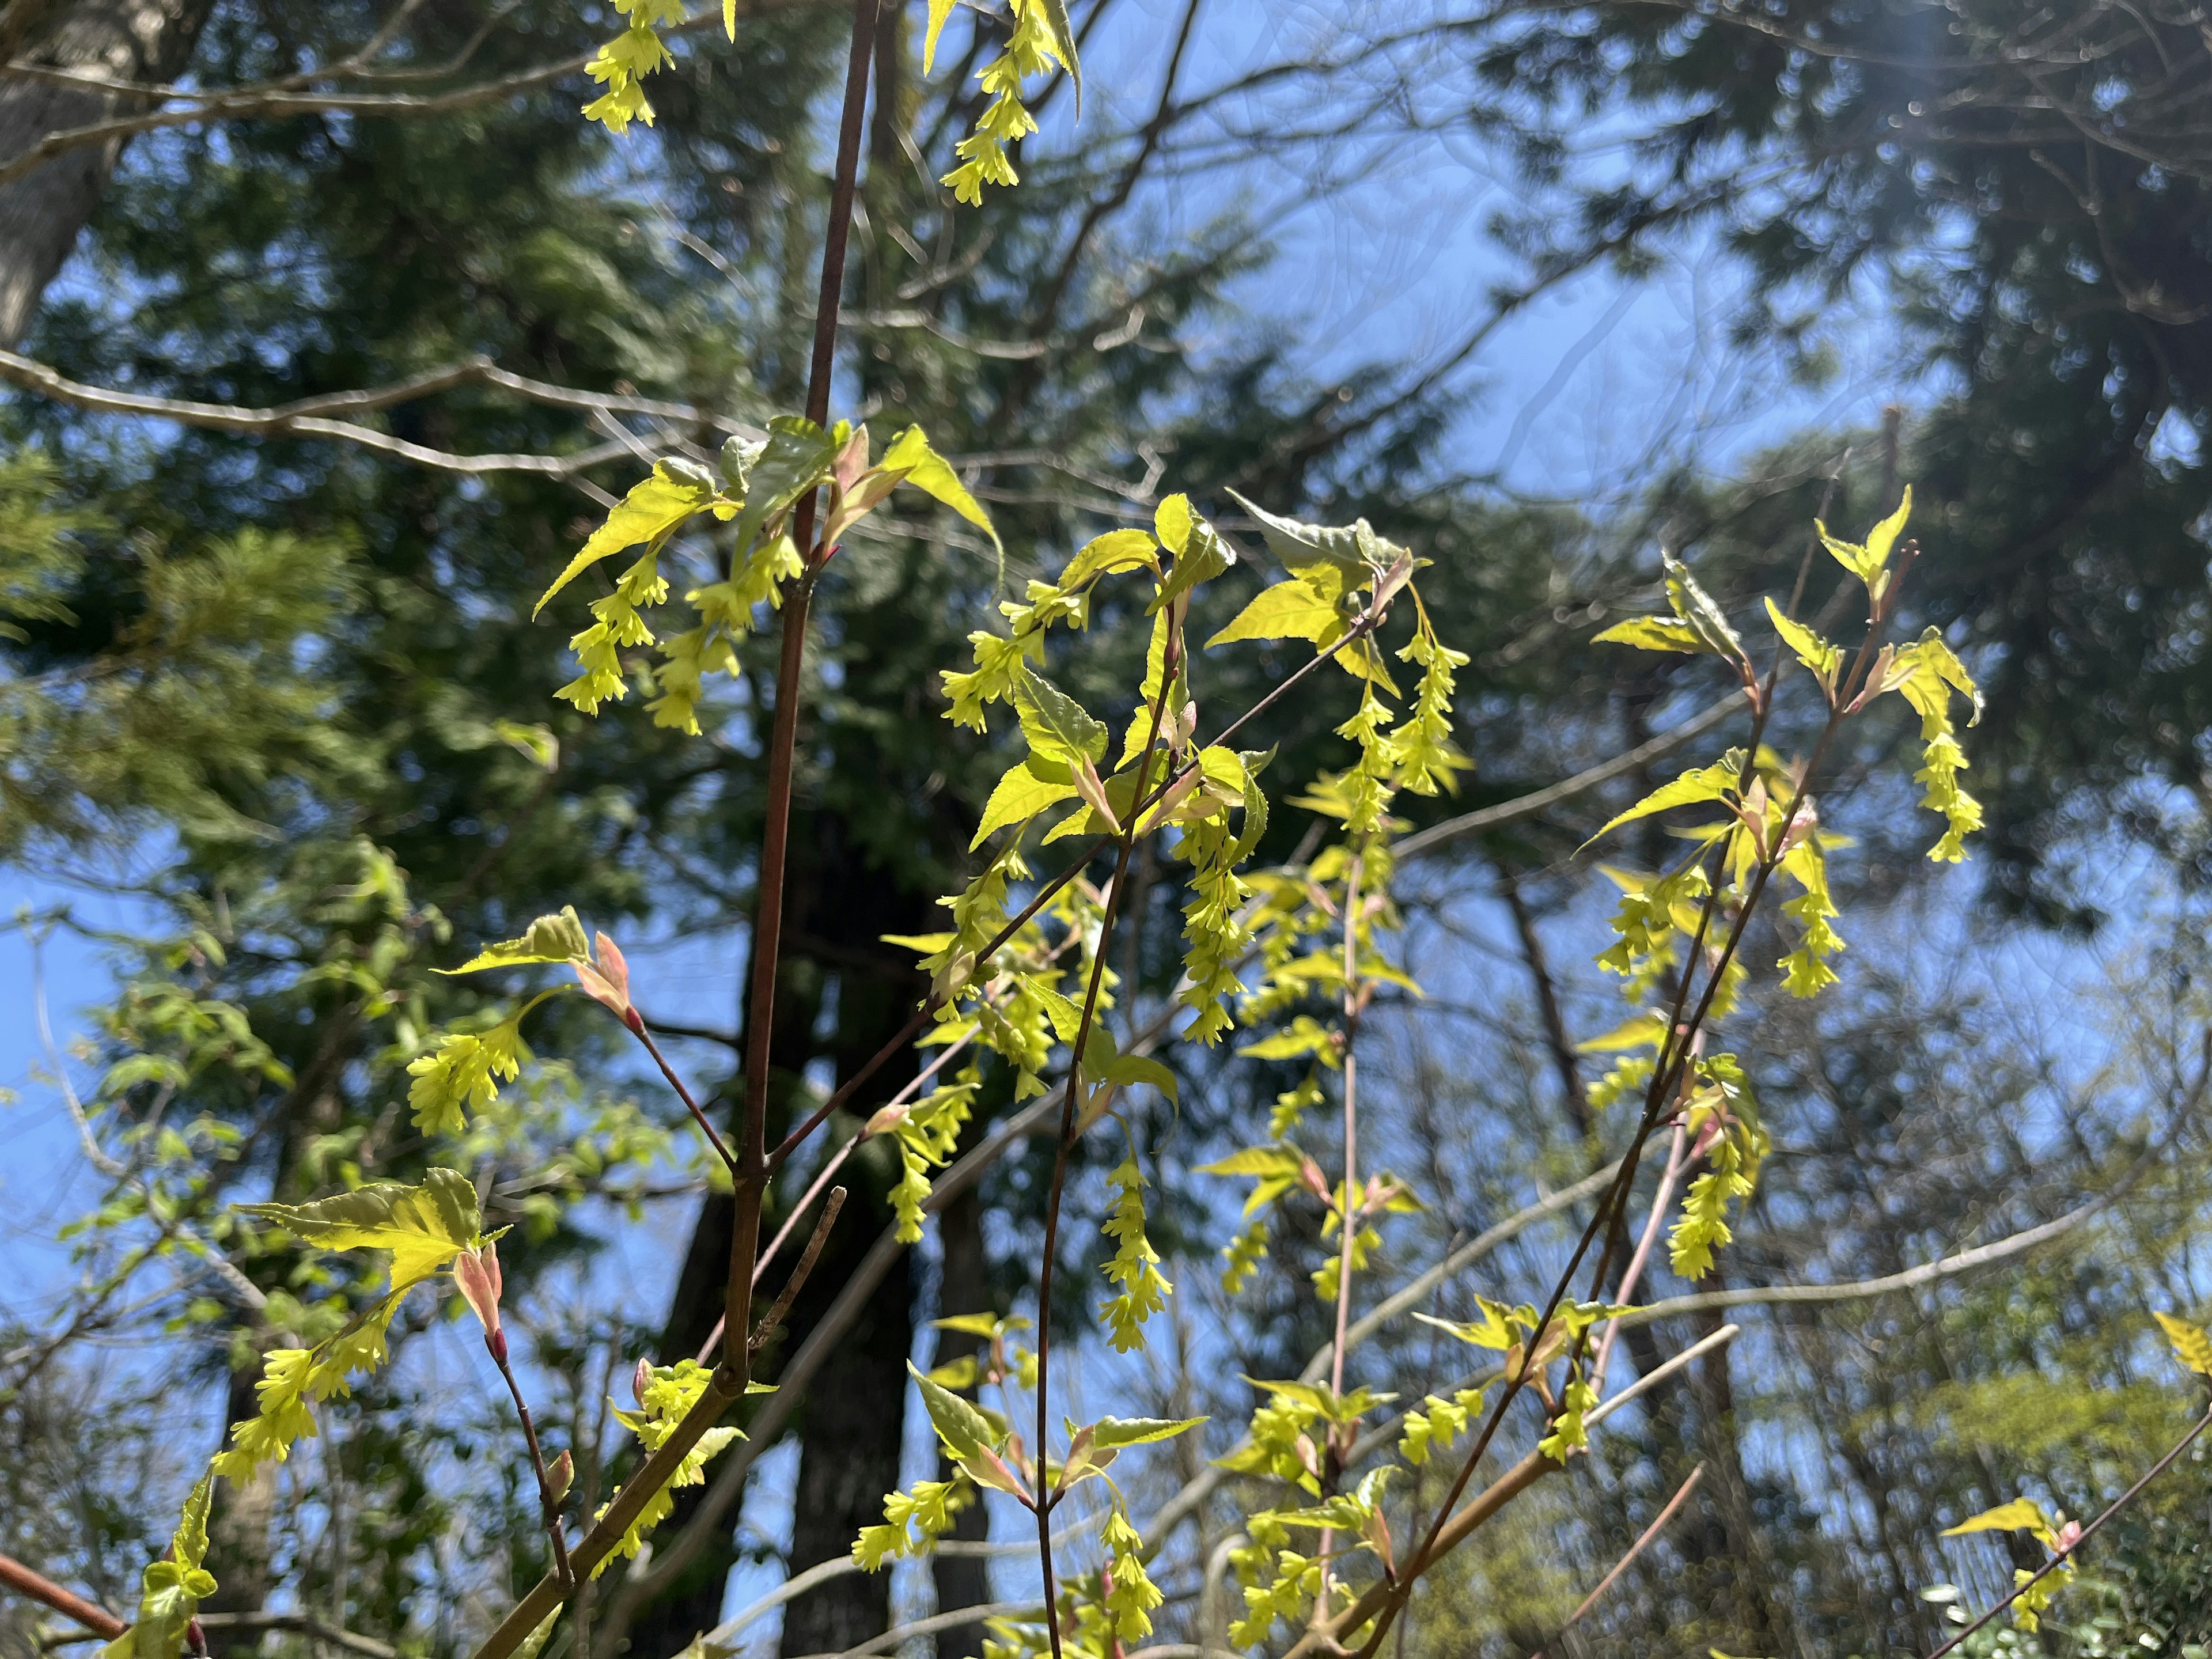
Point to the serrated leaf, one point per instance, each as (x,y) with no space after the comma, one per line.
(1114,1431)
(424,1227)
(558,938)
(1204,556)
(1495,1329)
(1142,1068)
(929,472)
(1654,633)
(2021,1514)
(1020,795)
(1103,555)
(1641,1030)
(1695,607)
(963,1428)
(799,456)
(1301,546)
(1292,609)
(1057,727)
(652,510)
(1702,783)
(1816,652)
(2191,1345)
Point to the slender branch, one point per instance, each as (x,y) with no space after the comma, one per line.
(2087,1532)
(1542,800)
(67,1602)
(773,1318)
(755,1169)
(283,420)
(637,1025)
(1642,1542)
(549,1506)
(1071,1103)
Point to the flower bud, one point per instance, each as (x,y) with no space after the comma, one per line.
(477,1276)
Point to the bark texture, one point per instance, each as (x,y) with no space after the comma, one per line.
(140,41)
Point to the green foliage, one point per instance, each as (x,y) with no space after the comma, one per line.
(1134,1264)
(667,1397)
(1040,42)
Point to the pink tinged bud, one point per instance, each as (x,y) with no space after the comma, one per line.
(559,1474)
(1092,788)
(476,1275)
(2069,1536)
(607,981)
(886,1119)
(640,1380)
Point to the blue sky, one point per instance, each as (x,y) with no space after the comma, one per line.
(1581,396)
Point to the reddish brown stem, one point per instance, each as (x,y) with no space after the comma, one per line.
(67,1602)
(753,1170)
(550,1507)
(636,1023)
(1170,666)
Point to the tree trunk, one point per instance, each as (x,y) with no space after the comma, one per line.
(42,212)
(962,1581)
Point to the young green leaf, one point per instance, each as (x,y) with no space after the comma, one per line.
(1057,727)
(1702,783)
(1294,610)
(1302,546)
(964,1430)
(551,939)
(1020,795)
(929,472)
(424,1227)
(798,457)
(1116,1431)
(1654,633)
(1816,652)
(1141,1068)
(673,492)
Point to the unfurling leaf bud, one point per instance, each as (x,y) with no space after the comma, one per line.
(640,1380)
(607,981)
(476,1275)
(1092,788)
(560,1475)
(886,1119)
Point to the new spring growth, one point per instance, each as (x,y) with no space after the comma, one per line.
(476,1275)
(607,982)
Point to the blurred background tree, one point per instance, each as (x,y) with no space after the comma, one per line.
(2001,214)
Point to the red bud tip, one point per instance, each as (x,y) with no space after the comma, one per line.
(496,1342)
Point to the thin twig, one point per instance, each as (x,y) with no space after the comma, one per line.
(773,1318)
(706,1128)
(1644,1540)
(2087,1532)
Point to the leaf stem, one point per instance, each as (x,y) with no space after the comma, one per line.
(636,1023)
(495,1346)
(1171,667)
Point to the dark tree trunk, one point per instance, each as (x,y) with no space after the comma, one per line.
(962,1581)
(834,907)
(42,212)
